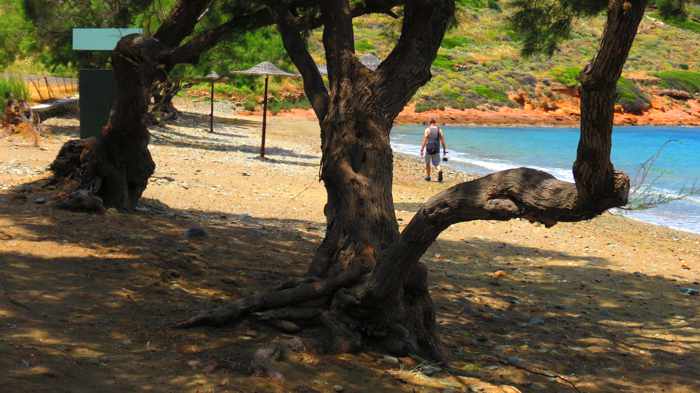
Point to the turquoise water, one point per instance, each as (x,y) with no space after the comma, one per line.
(488,149)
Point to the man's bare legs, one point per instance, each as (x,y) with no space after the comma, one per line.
(428,170)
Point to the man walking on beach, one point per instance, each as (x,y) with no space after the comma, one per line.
(432,138)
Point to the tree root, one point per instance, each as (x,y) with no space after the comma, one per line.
(554,376)
(289,314)
(344,334)
(272,300)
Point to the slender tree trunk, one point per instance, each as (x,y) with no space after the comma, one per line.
(593,171)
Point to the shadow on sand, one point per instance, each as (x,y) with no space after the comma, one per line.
(86,302)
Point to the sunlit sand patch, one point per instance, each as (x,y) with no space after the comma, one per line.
(86,353)
(39,336)
(449,382)
(35,371)
(4,313)
(46,252)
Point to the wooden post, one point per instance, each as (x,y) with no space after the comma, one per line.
(211,113)
(41,97)
(48,87)
(264,125)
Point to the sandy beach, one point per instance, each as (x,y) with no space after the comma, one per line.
(88,300)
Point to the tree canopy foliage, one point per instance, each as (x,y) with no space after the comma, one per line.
(543,24)
(16,32)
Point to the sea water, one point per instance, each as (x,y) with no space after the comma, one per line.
(676,170)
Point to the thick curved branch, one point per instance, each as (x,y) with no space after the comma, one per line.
(273,300)
(181,21)
(190,51)
(516,193)
(298,51)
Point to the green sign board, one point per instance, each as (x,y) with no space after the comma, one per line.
(97,90)
(100,39)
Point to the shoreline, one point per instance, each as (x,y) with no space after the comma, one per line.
(614,212)
(408,166)
(302,115)
(450,166)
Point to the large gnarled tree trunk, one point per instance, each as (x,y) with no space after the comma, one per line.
(366,283)
(113,170)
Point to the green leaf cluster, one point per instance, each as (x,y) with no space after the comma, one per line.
(631,97)
(541,25)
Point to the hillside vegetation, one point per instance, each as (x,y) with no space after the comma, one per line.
(479,65)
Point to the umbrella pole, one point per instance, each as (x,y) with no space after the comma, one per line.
(211,112)
(264,125)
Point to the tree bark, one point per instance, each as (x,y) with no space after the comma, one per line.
(593,171)
(114,170)
(356,114)
(162,108)
(116,167)
(357,172)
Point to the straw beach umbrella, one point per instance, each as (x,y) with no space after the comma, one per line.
(369,60)
(267,69)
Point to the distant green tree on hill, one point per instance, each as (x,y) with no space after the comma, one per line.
(54,22)
(16,32)
(672,8)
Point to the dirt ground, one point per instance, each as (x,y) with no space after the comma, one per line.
(87,302)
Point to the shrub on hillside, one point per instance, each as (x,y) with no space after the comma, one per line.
(567,76)
(492,4)
(680,80)
(631,97)
(456,41)
(277,106)
(490,93)
(444,62)
(425,105)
